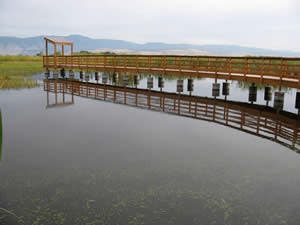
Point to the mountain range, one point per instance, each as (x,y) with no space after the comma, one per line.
(33,45)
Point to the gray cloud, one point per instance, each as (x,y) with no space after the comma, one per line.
(260,23)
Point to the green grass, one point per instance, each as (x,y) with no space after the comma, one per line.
(15,71)
(20,65)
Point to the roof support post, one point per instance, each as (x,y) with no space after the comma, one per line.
(55,55)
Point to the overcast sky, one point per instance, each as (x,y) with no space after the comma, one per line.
(271,24)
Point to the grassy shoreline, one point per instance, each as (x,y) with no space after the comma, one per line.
(15,71)
(20,65)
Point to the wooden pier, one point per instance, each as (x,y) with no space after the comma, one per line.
(261,121)
(278,71)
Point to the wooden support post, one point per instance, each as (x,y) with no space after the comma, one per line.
(245,68)
(262,70)
(125,97)
(230,67)
(198,65)
(46,53)
(196,110)
(216,67)
(163,103)
(63,50)
(149,63)
(55,56)
(180,62)
(115,61)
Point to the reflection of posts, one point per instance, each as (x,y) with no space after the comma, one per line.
(59,87)
(282,128)
(297,104)
(268,95)
(252,93)
(225,89)
(190,89)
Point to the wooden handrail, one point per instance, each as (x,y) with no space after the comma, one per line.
(236,68)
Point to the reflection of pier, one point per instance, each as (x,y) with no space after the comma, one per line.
(57,102)
(282,128)
(278,71)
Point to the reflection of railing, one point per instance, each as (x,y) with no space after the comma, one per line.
(253,119)
(282,71)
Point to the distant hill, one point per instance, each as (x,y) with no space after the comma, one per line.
(34,45)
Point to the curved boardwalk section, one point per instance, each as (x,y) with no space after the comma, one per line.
(266,70)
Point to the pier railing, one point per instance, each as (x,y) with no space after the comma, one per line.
(248,118)
(252,69)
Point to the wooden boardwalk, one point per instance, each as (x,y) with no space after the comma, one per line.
(261,121)
(265,70)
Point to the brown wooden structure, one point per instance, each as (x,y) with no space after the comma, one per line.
(261,121)
(266,70)
(57,42)
(263,70)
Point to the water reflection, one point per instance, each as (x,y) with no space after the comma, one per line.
(279,126)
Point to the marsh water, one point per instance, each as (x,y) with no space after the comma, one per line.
(96,162)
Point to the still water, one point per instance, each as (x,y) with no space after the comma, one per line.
(96,162)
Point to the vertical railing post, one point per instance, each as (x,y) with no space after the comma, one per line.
(137,62)
(262,69)
(180,62)
(149,63)
(216,66)
(198,64)
(230,67)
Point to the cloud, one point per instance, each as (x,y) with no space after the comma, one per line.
(260,23)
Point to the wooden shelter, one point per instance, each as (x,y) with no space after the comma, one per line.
(58,42)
